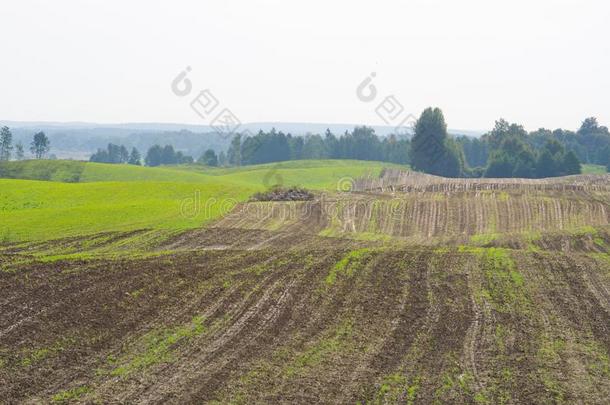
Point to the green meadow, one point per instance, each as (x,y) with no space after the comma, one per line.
(594,169)
(45,199)
(52,199)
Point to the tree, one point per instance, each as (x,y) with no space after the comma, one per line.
(234,152)
(604,156)
(428,143)
(101,156)
(123,154)
(476,151)
(499,166)
(112,154)
(153,156)
(265,148)
(135,157)
(525,165)
(431,151)
(330,145)
(19,153)
(453,163)
(589,126)
(554,147)
(592,138)
(6,143)
(503,130)
(571,164)
(40,145)
(513,158)
(296,145)
(313,147)
(168,155)
(546,165)
(222,159)
(554,161)
(208,158)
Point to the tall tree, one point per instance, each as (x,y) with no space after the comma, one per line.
(114,153)
(313,147)
(546,166)
(168,155)
(19,153)
(40,145)
(330,145)
(153,156)
(234,153)
(571,164)
(296,145)
(589,126)
(135,157)
(123,154)
(6,143)
(476,151)
(431,151)
(428,143)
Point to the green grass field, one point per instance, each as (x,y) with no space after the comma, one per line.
(51,199)
(44,199)
(593,169)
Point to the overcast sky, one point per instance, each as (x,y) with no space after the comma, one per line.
(539,63)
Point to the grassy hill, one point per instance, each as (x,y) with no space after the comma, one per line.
(109,197)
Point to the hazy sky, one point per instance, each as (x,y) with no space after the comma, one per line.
(539,63)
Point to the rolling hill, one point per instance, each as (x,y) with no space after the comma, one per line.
(38,203)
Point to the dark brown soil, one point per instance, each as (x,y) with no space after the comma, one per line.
(396,324)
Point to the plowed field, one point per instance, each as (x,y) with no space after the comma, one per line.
(495,295)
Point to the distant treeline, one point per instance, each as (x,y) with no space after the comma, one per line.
(155,156)
(506,151)
(117,154)
(360,144)
(510,151)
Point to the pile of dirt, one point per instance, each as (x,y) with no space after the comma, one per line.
(284,194)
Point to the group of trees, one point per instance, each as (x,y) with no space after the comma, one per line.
(166,155)
(273,146)
(117,154)
(589,144)
(156,156)
(508,150)
(39,147)
(209,158)
(512,154)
